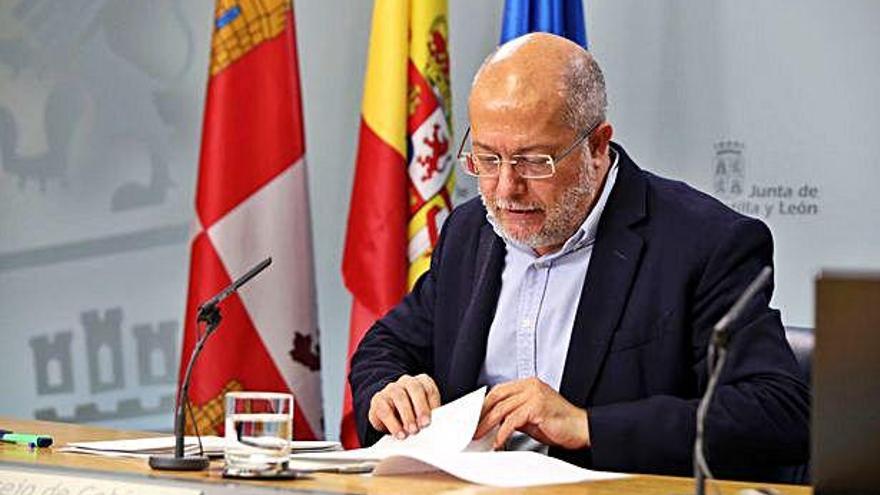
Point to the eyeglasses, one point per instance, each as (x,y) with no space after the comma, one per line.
(527,166)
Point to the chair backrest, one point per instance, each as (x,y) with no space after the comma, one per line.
(802,341)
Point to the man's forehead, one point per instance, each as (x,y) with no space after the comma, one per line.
(518,83)
(514,98)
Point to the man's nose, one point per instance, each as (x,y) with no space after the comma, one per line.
(510,184)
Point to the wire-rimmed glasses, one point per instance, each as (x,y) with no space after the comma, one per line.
(527,166)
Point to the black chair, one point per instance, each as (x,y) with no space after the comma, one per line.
(801,340)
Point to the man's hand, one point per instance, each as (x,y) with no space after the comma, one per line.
(404,406)
(532,407)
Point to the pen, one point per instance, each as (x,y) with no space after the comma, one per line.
(28,439)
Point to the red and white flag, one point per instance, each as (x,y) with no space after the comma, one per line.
(252,202)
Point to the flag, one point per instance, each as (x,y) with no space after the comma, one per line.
(562,17)
(252,202)
(404,168)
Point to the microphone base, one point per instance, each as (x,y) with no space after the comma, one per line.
(187,463)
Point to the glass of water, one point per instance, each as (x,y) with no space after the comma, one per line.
(259,426)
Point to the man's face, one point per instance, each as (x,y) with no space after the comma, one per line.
(539,213)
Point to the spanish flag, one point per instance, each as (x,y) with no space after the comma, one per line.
(404,171)
(252,202)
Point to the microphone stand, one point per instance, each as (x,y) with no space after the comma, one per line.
(718,343)
(209,313)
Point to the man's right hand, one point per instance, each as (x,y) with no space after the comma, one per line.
(404,407)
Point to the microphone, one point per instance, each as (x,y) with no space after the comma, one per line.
(718,344)
(207,312)
(206,309)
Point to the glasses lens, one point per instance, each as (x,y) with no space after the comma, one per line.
(534,166)
(467,163)
(484,164)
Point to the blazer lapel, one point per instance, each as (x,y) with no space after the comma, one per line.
(613,266)
(470,347)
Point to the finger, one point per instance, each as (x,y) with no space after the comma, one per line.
(387,418)
(496,395)
(501,392)
(431,387)
(404,408)
(419,398)
(374,420)
(498,413)
(508,426)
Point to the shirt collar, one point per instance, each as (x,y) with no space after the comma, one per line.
(584,236)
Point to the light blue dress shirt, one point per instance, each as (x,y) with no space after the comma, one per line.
(536,308)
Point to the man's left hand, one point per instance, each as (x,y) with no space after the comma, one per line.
(533,407)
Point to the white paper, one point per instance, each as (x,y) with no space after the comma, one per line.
(452,427)
(314,446)
(502,469)
(446,445)
(152,445)
(113,453)
(144,447)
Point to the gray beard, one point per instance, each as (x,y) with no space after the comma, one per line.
(561,219)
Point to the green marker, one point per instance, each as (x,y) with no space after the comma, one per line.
(28,439)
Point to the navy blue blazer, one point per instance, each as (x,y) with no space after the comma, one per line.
(668,262)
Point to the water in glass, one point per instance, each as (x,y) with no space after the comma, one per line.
(259,426)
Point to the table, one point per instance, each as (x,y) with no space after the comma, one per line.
(135,470)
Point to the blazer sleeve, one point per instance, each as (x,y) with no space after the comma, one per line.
(760,412)
(400,343)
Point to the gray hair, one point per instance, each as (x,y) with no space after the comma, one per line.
(586,100)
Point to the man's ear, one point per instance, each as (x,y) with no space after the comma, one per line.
(600,138)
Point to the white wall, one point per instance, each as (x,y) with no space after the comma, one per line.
(793,81)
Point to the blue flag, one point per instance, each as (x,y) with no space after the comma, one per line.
(562,17)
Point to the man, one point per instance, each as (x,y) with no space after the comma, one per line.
(583,291)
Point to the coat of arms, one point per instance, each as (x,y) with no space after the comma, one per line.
(729,168)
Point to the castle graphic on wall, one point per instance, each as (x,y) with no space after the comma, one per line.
(55,357)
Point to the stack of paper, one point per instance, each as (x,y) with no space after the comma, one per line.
(307,446)
(143,448)
(446,445)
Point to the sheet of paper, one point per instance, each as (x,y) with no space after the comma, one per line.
(451,430)
(144,447)
(113,453)
(446,445)
(149,445)
(502,469)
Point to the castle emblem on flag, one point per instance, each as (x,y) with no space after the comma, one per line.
(437,68)
(241,25)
